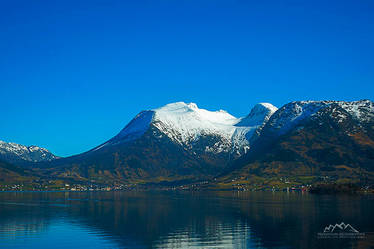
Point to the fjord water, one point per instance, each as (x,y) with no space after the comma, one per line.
(180,220)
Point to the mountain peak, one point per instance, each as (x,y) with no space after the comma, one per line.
(259,114)
(267,106)
(183,122)
(172,110)
(192,106)
(177,105)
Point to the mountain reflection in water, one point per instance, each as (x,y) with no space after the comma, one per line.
(180,220)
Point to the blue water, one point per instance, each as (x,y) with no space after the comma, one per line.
(180,220)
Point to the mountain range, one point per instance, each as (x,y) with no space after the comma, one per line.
(303,142)
(17,153)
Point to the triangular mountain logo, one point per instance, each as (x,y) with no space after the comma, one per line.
(340,228)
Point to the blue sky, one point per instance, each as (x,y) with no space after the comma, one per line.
(74,73)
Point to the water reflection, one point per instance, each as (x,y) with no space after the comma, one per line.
(179,220)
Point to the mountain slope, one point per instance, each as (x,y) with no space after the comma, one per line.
(11,174)
(17,153)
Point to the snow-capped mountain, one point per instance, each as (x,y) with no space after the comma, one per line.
(13,152)
(178,140)
(292,114)
(185,124)
(334,139)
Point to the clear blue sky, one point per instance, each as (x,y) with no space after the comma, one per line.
(74,73)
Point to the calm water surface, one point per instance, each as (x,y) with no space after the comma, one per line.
(180,220)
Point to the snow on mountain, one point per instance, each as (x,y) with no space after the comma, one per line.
(293,113)
(362,110)
(186,123)
(15,152)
